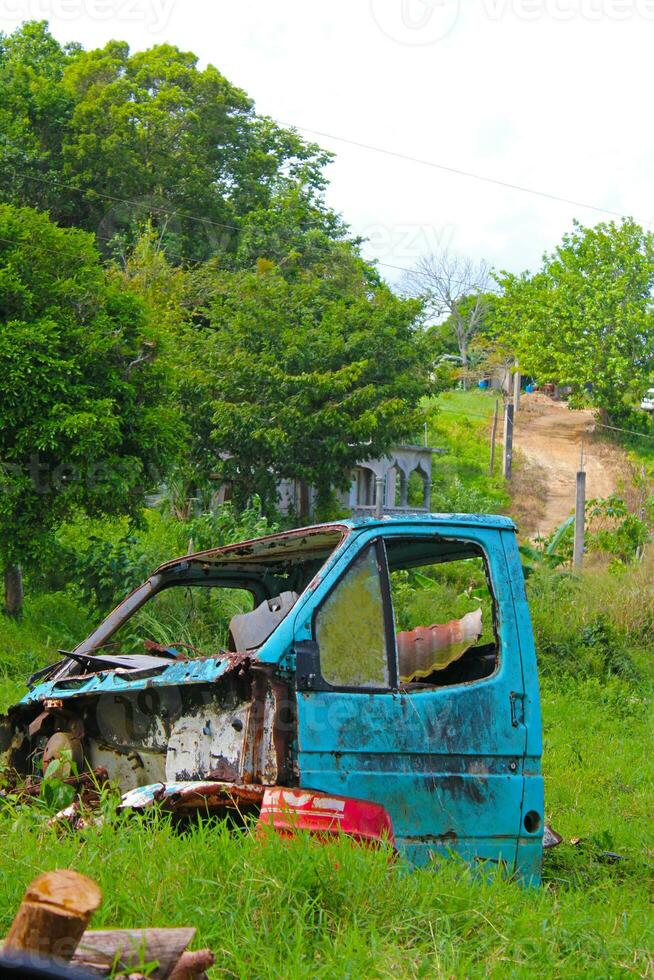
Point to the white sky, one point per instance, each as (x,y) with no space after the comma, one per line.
(549,94)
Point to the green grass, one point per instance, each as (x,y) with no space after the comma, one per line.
(275,909)
(50,622)
(458,421)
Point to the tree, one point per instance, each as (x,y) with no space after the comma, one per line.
(106,139)
(454,289)
(84,417)
(35,112)
(586,317)
(302,377)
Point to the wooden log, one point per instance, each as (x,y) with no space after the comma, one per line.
(193,965)
(54,914)
(128,950)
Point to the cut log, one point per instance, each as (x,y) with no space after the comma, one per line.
(128,950)
(193,966)
(54,914)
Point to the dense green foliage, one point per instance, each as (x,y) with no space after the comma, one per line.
(586,318)
(103,139)
(282,372)
(83,420)
(234,333)
(317,369)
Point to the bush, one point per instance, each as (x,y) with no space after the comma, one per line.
(576,633)
(101,561)
(627,417)
(50,623)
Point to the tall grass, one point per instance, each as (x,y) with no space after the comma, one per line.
(298,909)
(598,623)
(51,622)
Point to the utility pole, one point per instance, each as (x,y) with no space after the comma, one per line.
(580,514)
(517,382)
(508,440)
(493,434)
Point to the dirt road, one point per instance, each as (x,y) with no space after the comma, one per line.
(548,435)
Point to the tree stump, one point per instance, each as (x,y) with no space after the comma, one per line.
(54,914)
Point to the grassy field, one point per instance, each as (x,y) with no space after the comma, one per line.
(275,909)
(458,422)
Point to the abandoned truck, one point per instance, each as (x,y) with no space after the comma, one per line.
(377,676)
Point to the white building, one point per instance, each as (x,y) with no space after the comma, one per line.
(389,475)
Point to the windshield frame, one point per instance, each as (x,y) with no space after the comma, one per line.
(243,565)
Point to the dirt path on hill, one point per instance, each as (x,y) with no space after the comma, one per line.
(548,438)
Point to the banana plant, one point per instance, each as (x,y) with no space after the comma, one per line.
(548,555)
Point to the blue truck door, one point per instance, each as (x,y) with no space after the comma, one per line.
(446,761)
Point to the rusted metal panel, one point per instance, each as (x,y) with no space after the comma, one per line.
(192,796)
(200,671)
(425,649)
(286,810)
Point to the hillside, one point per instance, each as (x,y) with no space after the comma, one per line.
(548,436)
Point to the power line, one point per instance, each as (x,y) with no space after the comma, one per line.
(342,139)
(161,210)
(460,172)
(46,248)
(472,415)
(165,211)
(125,200)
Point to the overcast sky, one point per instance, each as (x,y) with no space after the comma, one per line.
(553,95)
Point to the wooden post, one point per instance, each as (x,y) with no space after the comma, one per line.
(580,518)
(493,436)
(54,914)
(508,440)
(517,382)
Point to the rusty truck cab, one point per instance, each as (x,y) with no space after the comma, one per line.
(389,661)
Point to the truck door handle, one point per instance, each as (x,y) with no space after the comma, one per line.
(517,702)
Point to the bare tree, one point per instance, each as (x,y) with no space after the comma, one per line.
(453,287)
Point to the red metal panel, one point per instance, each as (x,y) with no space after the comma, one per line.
(288,810)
